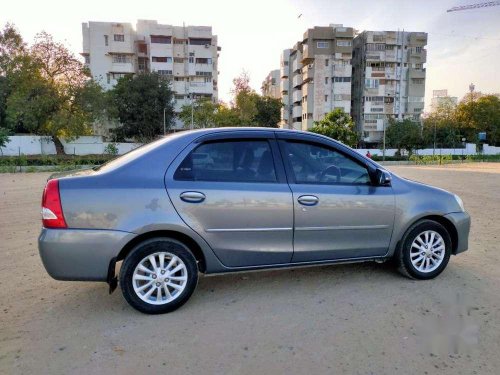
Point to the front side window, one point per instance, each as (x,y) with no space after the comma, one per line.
(229,161)
(317,164)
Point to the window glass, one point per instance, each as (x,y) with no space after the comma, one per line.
(315,164)
(229,161)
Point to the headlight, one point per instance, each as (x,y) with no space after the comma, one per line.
(459,201)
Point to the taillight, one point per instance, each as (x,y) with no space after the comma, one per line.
(52,213)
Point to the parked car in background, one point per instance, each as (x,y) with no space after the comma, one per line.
(259,199)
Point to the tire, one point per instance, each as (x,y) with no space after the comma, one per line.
(141,274)
(438,259)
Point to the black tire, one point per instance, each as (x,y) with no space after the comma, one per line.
(402,257)
(149,247)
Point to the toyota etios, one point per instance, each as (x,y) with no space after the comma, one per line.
(257,199)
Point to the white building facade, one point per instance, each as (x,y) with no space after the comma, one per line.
(187,55)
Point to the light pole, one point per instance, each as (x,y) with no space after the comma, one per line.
(383,146)
(191,127)
(164,121)
(434,149)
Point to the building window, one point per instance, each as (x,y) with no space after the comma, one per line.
(344,43)
(375,47)
(106,42)
(122,59)
(418,81)
(191,59)
(208,79)
(119,37)
(200,41)
(379,99)
(204,74)
(180,41)
(418,110)
(322,44)
(87,59)
(161,59)
(342,79)
(326,62)
(178,60)
(378,38)
(142,48)
(326,80)
(178,78)
(201,60)
(165,72)
(162,39)
(108,78)
(326,98)
(418,49)
(371,83)
(376,110)
(117,76)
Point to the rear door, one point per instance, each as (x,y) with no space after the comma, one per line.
(236,197)
(339,213)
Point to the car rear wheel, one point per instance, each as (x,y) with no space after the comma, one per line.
(158,276)
(425,250)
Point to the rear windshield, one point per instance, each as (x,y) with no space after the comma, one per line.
(133,154)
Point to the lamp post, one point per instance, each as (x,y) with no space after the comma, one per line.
(191,126)
(164,121)
(383,149)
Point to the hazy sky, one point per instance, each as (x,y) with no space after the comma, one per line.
(463,47)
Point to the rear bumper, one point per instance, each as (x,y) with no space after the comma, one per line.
(80,254)
(461,221)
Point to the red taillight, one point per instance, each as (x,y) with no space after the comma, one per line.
(52,213)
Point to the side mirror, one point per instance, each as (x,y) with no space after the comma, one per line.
(383,178)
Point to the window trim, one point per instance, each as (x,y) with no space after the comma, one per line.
(279,168)
(291,174)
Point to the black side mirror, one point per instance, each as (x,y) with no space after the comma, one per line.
(383,178)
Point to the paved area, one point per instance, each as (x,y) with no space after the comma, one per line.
(353,319)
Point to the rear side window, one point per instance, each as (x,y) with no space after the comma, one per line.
(229,161)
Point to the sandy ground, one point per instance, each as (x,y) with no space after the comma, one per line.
(353,319)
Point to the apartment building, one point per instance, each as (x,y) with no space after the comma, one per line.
(388,80)
(316,76)
(440,97)
(187,55)
(271,85)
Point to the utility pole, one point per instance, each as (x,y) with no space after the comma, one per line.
(434,149)
(383,150)
(191,127)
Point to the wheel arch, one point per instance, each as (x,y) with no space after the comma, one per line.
(452,231)
(192,245)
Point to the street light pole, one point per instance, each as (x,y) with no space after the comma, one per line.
(191,127)
(164,121)
(383,150)
(434,149)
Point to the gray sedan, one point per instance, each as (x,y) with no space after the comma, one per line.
(268,198)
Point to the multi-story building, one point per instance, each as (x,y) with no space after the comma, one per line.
(187,55)
(440,97)
(388,80)
(271,85)
(316,76)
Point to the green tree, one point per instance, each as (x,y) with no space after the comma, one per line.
(50,91)
(203,113)
(404,134)
(441,126)
(4,137)
(226,116)
(337,125)
(479,115)
(268,111)
(139,103)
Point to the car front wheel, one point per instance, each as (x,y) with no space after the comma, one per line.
(425,250)
(158,276)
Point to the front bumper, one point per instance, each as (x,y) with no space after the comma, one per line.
(461,221)
(80,254)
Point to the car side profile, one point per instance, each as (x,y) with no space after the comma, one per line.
(237,199)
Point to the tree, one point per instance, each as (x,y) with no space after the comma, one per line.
(4,137)
(440,126)
(140,102)
(226,116)
(50,90)
(404,134)
(203,113)
(268,111)
(337,125)
(479,115)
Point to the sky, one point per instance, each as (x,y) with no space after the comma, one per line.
(463,47)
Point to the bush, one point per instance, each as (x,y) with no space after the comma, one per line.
(111,149)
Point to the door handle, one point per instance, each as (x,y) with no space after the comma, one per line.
(192,196)
(308,200)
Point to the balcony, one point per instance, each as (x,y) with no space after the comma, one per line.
(284,71)
(296,65)
(308,72)
(297,80)
(122,67)
(284,113)
(297,111)
(284,83)
(417,73)
(297,96)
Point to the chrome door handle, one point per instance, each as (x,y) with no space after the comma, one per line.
(192,196)
(308,200)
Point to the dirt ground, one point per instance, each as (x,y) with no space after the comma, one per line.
(353,319)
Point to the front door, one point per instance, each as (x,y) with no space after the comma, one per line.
(233,192)
(339,213)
